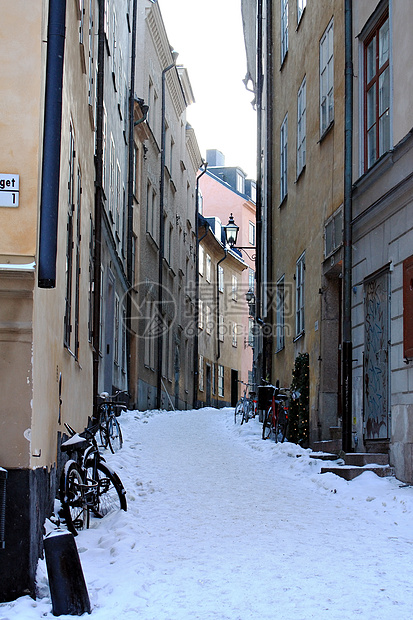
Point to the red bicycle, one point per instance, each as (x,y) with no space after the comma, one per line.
(275,421)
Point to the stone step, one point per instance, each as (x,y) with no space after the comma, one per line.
(324,456)
(349,472)
(328,445)
(366,458)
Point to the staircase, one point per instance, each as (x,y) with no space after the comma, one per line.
(350,465)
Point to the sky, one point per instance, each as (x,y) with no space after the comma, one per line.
(222,525)
(209,39)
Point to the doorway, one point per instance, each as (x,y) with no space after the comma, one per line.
(234,387)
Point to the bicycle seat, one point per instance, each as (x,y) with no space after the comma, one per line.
(73,443)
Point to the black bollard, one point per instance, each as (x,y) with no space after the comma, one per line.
(66,581)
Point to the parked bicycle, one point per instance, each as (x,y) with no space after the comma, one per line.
(109,409)
(275,421)
(246,407)
(88,485)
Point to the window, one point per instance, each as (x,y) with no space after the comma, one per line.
(234,287)
(112,176)
(220,279)
(123,336)
(208,268)
(377,93)
(104,140)
(284,29)
(116,329)
(69,240)
(150,209)
(91,279)
(280,313)
(251,233)
(201,260)
(299,295)
(213,378)
(301,127)
(251,324)
(283,158)
(208,320)
(234,331)
(220,380)
(91,94)
(240,183)
(301,4)
(251,279)
(333,233)
(81,20)
(221,328)
(201,374)
(200,314)
(326,79)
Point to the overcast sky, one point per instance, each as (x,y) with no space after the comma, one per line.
(209,39)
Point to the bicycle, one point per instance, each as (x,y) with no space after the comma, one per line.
(246,407)
(109,409)
(276,416)
(87,485)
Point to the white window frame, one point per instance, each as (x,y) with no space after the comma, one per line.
(221,381)
(208,265)
(201,260)
(300,295)
(301,4)
(234,287)
(201,373)
(221,327)
(327,78)
(280,314)
(220,279)
(284,29)
(283,158)
(251,233)
(301,126)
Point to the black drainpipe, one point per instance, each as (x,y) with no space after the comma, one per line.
(258,206)
(49,201)
(217,322)
(131,176)
(347,279)
(196,313)
(98,201)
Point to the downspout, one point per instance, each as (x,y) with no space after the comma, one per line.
(98,202)
(258,206)
(49,201)
(347,237)
(196,314)
(217,292)
(131,176)
(161,239)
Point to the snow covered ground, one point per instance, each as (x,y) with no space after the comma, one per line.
(222,525)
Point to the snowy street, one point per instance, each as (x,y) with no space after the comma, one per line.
(222,525)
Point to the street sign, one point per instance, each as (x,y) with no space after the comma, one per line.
(9,190)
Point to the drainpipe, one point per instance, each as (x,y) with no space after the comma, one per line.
(218,264)
(98,202)
(49,201)
(161,238)
(131,176)
(347,276)
(258,206)
(196,315)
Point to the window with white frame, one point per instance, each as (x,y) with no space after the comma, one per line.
(208,319)
(333,233)
(208,264)
(299,294)
(201,374)
(284,29)
(280,314)
(220,279)
(234,287)
(150,209)
(327,78)
(200,314)
(234,331)
(201,260)
(221,328)
(301,4)
(112,176)
(240,183)
(251,233)
(301,127)
(116,330)
(251,279)
(220,380)
(283,158)
(377,92)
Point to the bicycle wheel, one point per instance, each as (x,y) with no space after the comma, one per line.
(111,494)
(115,439)
(103,427)
(72,496)
(245,411)
(281,425)
(238,411)
(267,424)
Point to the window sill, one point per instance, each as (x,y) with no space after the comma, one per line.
(326,132)
(299,336)
(283,201)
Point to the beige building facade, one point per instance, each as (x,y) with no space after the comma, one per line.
(45,352)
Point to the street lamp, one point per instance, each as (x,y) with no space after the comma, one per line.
(231,231)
